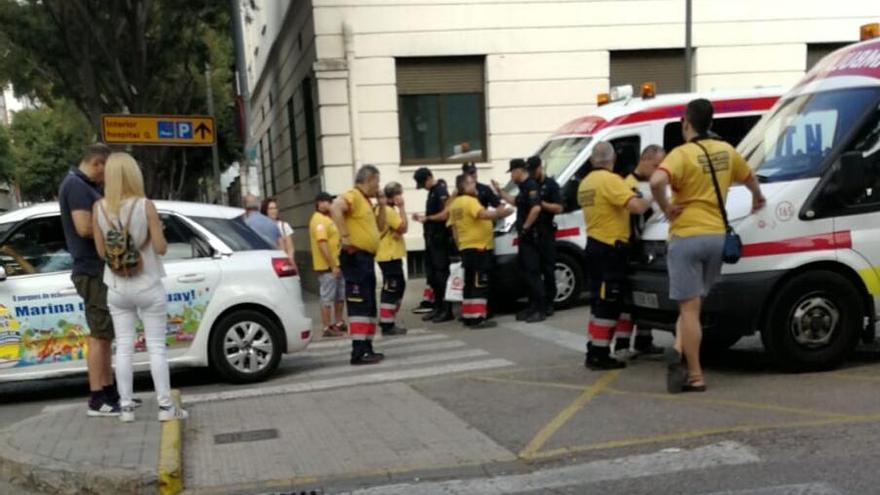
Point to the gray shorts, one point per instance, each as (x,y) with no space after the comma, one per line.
(332,288)
(694,263)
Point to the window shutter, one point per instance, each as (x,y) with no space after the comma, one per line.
(663,67)
(422,76)
(818,51)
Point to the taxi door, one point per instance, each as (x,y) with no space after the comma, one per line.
(42,319)
(192,277)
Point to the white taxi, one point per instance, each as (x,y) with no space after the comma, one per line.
(234,302)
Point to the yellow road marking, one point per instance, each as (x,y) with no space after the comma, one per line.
(687,435)
(566,414)
(734,403)
(527,382)
(170,454)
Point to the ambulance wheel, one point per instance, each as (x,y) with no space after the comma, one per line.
(569,280)
(245,347)
(814,322)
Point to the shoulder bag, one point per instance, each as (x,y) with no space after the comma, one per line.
(732,242)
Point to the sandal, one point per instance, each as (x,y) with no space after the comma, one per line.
(676,372)
(693,388)
(331,332)
(341,327)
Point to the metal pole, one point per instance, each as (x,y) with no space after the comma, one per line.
(215,156)
(688,50)
(242,92)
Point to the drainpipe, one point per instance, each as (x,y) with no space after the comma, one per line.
(354,127)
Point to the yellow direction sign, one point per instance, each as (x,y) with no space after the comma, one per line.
(158,130)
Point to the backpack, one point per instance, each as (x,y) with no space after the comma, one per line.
(122,256)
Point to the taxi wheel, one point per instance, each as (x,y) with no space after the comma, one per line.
(569,280)
(245,347)
(814,322)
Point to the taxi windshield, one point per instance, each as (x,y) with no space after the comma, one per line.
(556,155)
(794,141)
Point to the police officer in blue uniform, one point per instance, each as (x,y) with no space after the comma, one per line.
(528,208)
(438,241)
(545,228)
(485,195)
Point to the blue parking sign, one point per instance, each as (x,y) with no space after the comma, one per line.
(184,130)
(165,129)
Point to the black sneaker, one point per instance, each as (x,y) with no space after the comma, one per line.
(550,311)
(424,307)
(395,330)
(443,316)
(535,317)
(368,346)
(646,347)
(103,409)
(483,324)
(429,316)
(522,315)
(602,361)
(365,359)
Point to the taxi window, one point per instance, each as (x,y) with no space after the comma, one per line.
(183,243)
(37,246)
(234,233)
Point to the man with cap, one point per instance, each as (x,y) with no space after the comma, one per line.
(359,228)
(528,208)
(437,241)
(551,205)
(485,195)
(324,240)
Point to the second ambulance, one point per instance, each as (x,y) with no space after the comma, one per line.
(809,279)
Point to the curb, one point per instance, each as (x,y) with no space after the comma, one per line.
(170,467)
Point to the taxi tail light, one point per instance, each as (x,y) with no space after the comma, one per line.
(649,90)
(603,98)
(869,31)
(283,267)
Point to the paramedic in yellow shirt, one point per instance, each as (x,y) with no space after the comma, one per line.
(392,250)
(696,231)
(324,240)
(607,203)
(359,229)
(472,227)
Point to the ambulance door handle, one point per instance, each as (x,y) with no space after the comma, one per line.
(68,291)
(190,278)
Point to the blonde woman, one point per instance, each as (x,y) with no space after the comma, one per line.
(138,292)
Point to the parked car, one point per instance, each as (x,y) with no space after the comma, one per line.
(234,302)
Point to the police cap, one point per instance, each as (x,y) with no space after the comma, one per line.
(534,162)
(517,163)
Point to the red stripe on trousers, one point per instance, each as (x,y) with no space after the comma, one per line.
(473,308)
(625,325)
(599,332)
(386,313)
(428,294)
(360,328)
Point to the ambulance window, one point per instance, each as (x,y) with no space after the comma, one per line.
(730,129)
(557,154)
(867,142)
(37,246)
(628,150)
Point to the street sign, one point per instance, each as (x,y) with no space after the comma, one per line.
(158,130)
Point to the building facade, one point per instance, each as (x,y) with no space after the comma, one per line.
(405,83)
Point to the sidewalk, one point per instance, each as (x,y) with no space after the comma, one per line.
(64,451)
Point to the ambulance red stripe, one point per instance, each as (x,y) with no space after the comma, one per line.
(820,242)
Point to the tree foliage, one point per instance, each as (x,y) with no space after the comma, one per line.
(46,142)
(140,56)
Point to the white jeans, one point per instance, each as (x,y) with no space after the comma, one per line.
(125,305)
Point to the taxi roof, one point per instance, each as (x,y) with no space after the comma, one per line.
(671,106)
(182,207)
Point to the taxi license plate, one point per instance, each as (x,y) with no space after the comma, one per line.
(645,300)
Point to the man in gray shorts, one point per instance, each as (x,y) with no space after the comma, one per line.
(696,231)
(324,239)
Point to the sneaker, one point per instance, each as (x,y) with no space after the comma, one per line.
(126,414)
(364,359)
(522,315)
(443,316)
(429,316)
(171,413)
(424,307)
(625,354)
(395,330)
(368,347)
(103,409)
(648,349)
(483,324)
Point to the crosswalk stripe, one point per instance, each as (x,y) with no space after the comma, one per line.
(636,466)
(798,489)
(342,342)
(345,381)
(345,346)
(551,334)
(395,362)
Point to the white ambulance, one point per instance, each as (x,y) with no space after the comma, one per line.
(630,124)
(809,279)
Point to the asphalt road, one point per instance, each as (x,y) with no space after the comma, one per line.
(757,430)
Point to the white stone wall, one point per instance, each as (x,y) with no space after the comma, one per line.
(545,62)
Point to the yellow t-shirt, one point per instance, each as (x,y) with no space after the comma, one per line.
(603,196)
(391,244)
(322,229)
(361,221)
(472,231)
(631,181)
(691,182)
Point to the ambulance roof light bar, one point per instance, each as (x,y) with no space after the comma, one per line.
(649,90)
(869,31)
